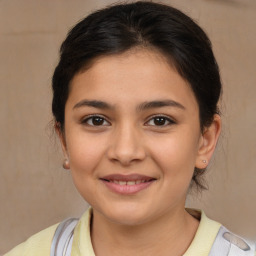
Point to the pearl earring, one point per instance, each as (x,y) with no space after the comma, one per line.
(204,161)
(65,164)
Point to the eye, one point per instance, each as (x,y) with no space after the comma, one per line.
(160,121)
(95,121)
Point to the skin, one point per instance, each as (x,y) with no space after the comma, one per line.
(129,140)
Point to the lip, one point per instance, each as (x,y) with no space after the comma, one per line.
(141,182)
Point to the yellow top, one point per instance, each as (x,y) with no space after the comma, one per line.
(40,244)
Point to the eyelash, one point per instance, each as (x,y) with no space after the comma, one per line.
(152,118)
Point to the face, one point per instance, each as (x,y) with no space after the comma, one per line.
(132,136)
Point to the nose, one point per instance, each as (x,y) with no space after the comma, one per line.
(126,146)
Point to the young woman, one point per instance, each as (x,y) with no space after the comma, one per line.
(135,102)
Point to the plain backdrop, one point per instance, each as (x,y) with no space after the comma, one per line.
(35,192)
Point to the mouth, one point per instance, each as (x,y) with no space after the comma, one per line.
(127,184)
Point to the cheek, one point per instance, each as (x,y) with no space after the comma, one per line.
(175,157)
(85,154)
(176,154)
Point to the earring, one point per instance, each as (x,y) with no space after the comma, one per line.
(65,164)
(204,161)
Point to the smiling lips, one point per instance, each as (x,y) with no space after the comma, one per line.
(127,184)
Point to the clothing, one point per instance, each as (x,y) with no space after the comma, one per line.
(39,244)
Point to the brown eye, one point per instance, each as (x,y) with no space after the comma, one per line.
(160,121)
(95,121)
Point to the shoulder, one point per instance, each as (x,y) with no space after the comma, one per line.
(213,239)
(231,244)
(37,245)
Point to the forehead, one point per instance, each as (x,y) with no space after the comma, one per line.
(133,76)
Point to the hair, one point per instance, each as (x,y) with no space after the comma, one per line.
(121,27)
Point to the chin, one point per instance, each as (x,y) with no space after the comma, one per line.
(128,220)
(128,215)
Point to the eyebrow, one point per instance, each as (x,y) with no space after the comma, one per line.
(93,103)
(159,104)
(143,106)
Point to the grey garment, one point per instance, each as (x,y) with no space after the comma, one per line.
(228,244)
(225,244)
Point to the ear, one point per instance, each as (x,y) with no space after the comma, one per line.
(208,142)
(61,136)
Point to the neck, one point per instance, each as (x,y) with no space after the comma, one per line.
(171,234)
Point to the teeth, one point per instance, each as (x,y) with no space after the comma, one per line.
(130,183)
